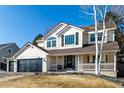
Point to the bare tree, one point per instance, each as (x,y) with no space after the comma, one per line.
(99,14)
(96,39)
(103,15)
(92,11)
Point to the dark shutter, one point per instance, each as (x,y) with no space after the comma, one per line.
(17,65)
(62,42)
(77,38)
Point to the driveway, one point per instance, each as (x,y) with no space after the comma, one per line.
(11,75)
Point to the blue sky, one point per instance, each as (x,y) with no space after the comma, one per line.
(20,24)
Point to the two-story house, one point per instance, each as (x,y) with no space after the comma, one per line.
(7,51)
(69,48)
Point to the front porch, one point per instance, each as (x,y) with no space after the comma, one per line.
(81,62)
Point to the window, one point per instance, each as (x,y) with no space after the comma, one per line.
(54,43)
(77,38)
(99,36)
(51,42)
(92,37)
(69,39)
(48,43)
(9,51)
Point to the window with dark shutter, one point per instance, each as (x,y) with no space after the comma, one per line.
(77,38)
(62,42)
(69,39)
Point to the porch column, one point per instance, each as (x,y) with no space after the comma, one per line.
(56,62)
(15,66)
(78,61)
(81,62)
(115,62)
(7,67)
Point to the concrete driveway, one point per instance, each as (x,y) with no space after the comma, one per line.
(11,75)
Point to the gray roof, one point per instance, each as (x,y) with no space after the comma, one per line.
(110,46)
(3,45)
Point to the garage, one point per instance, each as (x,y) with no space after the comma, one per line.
(30,58)
(30,65)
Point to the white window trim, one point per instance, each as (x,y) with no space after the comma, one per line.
(89,36)
(69,44)
(51,43)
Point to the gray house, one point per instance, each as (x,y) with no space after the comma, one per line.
(7,51)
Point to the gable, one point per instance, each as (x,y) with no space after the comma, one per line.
(55,30)
(30,51)
(71,28)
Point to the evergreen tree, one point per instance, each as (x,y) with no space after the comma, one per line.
(39,36)
(119,21)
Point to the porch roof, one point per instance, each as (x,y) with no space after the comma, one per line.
(107,47)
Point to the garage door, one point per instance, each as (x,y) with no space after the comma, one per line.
(30,65)
(3,66)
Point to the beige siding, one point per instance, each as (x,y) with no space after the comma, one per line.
(111,57)
(85,58)
(50,61)
(61,61)
(85,38)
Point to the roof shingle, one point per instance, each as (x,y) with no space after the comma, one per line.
(100,26)
(86,49)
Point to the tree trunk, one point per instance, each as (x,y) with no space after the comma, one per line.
(103,36)
(96,40)
(101,48)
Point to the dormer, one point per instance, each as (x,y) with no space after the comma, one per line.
(62,36)
(109,33)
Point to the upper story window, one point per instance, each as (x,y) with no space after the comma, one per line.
(51,42)
(9,51)
(92,37)
(99,36)
(69,39)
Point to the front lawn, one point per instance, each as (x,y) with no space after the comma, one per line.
(58,81)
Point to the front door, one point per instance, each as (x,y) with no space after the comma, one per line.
(69,62)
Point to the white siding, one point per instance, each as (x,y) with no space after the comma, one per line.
(54,35)
(109,36)
(41,44)
(70,31)
(33,52)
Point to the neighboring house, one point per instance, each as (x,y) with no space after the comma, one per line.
(7,51)
(69,48)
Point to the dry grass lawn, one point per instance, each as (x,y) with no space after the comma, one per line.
(58,81)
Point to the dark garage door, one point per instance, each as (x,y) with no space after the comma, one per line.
(3,66)
(30,65)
